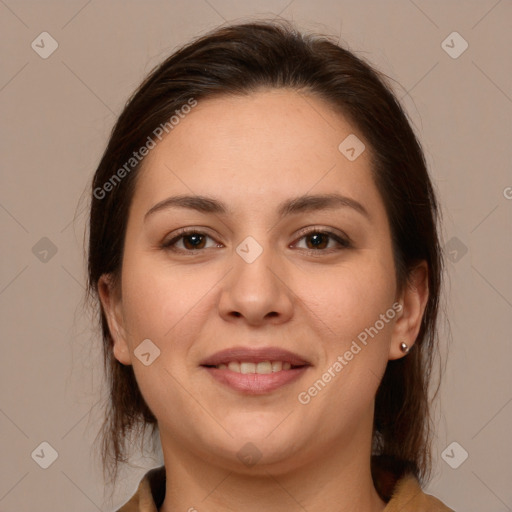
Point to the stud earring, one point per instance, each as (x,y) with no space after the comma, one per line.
(404,347)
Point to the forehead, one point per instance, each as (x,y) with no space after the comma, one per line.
(257,149)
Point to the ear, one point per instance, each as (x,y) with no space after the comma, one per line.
(414,300)
(111,302)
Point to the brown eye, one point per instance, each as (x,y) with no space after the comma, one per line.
(188,241)
(319,240)
(194,241)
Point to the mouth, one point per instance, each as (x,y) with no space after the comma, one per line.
(255,371)
(262,368)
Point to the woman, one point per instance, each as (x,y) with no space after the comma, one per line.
(264,247)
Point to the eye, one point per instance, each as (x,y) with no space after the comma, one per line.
(317,241)
(190,240)
(320,240)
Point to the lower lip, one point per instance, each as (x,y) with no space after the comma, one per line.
(256,383)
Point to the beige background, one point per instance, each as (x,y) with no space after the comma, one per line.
(56,116)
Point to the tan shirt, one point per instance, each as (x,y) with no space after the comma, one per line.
(407,496)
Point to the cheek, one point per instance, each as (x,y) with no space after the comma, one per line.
(351,297)
(164,302)
(168,307)
(351,302)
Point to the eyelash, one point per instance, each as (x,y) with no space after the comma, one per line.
(343,242)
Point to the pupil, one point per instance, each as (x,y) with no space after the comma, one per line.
(316,239)
(194,240)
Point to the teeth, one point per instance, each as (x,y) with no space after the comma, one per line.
(234,366)
(247,368)
(277,366)
(263,368)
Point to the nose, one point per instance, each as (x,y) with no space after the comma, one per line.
(256,292)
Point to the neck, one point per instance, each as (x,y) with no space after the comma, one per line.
(338,480)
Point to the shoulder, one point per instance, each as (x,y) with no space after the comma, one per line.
(397,484)
(408,497)
(150,493)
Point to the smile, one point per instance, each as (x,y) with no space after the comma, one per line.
(263,368)
(251,378)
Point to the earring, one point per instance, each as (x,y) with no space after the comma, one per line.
(404,347)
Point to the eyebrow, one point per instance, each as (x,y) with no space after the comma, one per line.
(301,204)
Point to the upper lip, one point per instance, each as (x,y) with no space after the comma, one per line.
(254,355)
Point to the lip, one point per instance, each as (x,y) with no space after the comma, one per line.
(254,355)
(255,383)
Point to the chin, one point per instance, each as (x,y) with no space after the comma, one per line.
(267,442)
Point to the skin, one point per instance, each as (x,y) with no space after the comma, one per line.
(252,153)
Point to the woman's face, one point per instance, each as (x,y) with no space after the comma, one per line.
(258,284)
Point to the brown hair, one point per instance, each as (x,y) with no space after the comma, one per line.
(240,59)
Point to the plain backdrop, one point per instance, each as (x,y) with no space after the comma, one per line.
(56,115)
